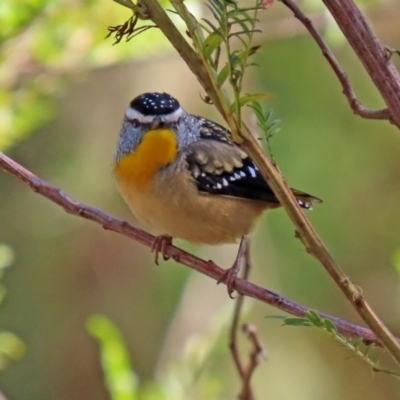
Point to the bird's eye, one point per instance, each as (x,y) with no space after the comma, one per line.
(134,122)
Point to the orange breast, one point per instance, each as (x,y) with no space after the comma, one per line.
(157,149)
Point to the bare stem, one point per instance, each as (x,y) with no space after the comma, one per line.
(355,105)
(246,392)
(370,51)
(255,355)
(233,337)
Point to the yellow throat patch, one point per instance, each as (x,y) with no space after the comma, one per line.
(157,149)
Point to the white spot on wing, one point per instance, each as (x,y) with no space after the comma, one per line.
(252,172)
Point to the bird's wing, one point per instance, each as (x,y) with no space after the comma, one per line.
(220,167)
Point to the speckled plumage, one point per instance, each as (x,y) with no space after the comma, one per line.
(211,193)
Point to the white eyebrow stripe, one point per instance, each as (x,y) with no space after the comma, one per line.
(131,114)
(174,116)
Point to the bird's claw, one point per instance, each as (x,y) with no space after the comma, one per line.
(229,278)
(159,245)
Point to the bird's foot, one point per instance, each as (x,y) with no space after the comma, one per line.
(229,278)
(159,246)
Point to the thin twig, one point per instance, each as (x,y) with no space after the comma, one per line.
(233,337)
(251,331)
(247,392)
(242,286)
(355,105)
(370,51)
(255,355)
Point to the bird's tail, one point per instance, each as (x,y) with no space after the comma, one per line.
(305,200)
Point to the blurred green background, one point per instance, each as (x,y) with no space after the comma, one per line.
(63,94)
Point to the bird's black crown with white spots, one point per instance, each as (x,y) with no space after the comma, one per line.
(155,104)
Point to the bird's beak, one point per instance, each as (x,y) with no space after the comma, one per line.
(157,122)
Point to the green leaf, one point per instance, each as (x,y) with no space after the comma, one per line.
(314,318)
(296,322)
(11,348)
(368,349)
(245,29)
(121,380)
(248,98)
(281,317)
(268,114)
(258,110)
(273,132)
(353,356)
(330,326)
(357,343)
(6,256)
(215,14)
(244,32)
(223,75)
(212,26)
(212,42)
(273,123)
(217,5)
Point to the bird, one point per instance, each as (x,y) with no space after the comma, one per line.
(184,177)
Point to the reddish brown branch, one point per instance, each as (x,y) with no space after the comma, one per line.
(243,287)
(370,52)
(255,355)
(233,337)
(355,105)
(246,373)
